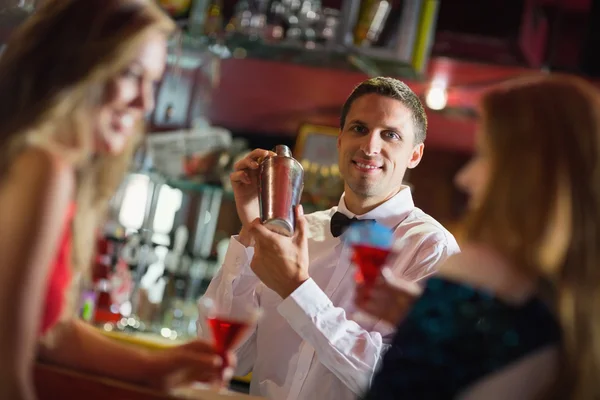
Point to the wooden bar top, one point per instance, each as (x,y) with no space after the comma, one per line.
(52,382)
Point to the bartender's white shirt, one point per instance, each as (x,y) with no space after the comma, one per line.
(308,346)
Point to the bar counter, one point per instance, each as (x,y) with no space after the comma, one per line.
(53,383)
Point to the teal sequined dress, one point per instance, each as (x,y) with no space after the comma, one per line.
(454,336)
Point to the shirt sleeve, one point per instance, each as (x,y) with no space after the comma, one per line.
(234,287)
(428,259)
(344,347)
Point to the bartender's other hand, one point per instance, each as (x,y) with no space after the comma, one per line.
(389,298)
(281,262)
(244,181)
(195,361)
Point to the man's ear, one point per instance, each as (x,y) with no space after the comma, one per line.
(417,154)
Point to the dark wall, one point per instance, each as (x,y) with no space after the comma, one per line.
(434,190)
(257,140)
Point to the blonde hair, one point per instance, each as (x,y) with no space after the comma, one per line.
(543,136)
(53,75)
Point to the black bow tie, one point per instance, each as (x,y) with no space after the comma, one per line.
(339,223)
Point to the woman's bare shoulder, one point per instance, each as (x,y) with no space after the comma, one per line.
(481,267)
(37,174)
(36,164)
(41,161)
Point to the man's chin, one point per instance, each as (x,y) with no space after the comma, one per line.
(363,189)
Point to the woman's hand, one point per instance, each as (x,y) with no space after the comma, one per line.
(389,298)
(195,361)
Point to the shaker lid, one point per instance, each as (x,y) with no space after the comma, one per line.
(282,150)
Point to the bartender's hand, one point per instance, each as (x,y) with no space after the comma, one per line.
(389,298)
(281,262)
(244,181)
(195,361)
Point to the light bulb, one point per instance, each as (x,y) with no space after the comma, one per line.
(436,98)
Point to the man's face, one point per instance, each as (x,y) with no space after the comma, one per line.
(376,146)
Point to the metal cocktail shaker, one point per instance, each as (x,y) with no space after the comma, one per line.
(281,180)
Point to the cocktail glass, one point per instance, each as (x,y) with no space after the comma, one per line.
(226,328)
(371,249)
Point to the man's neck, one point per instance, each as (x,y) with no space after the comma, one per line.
(360,205)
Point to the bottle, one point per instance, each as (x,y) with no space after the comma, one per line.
(197,19)
(104,311)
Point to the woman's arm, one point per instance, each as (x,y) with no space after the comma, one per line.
(77,345)
(34,196)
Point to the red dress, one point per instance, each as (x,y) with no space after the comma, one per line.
(59,277)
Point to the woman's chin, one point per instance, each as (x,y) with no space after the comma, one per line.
(473,204)
(114,146)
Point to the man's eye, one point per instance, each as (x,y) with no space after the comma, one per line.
(359,129)
(392,135)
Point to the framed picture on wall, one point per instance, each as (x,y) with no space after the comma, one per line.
(317,144)
(316,149)
(173,98)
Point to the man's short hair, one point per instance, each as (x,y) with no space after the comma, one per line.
(395,89)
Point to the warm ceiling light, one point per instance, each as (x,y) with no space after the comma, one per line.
(436,97)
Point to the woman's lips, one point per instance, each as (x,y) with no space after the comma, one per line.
(123,124)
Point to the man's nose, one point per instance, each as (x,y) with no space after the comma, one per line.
(371,144)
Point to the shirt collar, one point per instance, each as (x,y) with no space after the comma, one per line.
(390,213)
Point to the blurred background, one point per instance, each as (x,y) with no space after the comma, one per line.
(255,73)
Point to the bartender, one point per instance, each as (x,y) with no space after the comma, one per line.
(307,346)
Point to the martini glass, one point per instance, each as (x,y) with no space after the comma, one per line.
(226,328)
(370,250)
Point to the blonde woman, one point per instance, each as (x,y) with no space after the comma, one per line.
(75,83)
(516,314)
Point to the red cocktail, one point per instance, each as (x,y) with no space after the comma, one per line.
(369,260)
(226,327)
(227,333)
